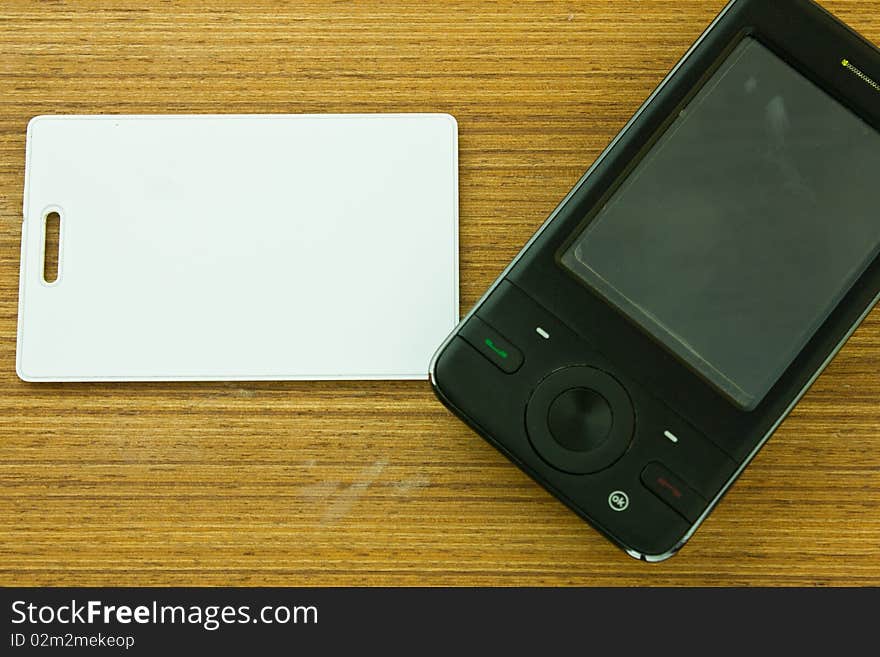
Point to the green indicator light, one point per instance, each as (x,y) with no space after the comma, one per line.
(498,351)
(848,65)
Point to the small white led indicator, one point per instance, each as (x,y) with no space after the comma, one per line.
(671,436)
(542,333)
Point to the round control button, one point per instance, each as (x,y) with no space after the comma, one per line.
(618,501)
(580,419)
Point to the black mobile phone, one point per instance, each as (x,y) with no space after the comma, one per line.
(677,304)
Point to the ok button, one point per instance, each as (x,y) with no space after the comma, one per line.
(580,419)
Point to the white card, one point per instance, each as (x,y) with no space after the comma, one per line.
(239,247)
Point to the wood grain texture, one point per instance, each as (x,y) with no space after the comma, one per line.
(376,483)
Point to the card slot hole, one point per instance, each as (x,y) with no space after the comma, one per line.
(51,247)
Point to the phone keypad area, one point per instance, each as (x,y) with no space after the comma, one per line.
(611,451)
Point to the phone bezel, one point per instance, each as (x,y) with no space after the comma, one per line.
(534,270)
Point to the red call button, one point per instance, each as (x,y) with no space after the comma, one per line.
(673,491)
(663,482)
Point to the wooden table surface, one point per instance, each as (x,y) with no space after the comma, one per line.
(376,483)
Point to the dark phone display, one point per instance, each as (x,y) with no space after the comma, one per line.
(743,227)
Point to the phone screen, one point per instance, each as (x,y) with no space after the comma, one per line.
(737,234)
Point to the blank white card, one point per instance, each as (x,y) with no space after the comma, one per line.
(239,247)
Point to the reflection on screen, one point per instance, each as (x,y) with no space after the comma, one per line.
(739,232)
